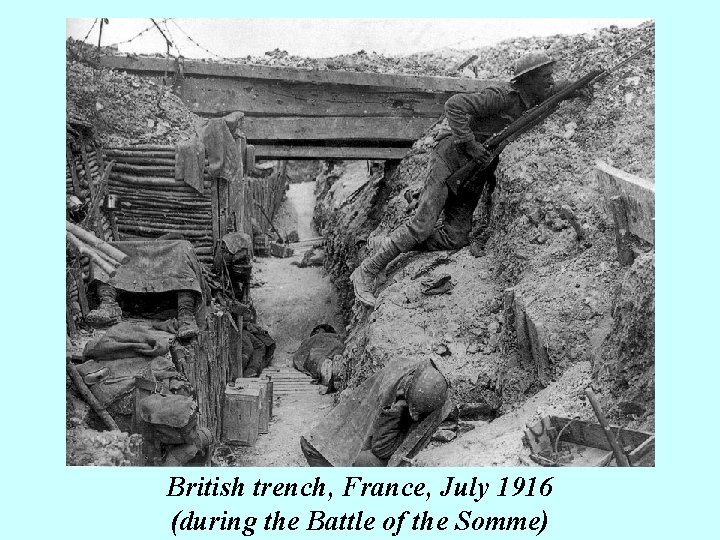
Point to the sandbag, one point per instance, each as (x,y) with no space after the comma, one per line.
(172,418)
(111,380)
(169,410)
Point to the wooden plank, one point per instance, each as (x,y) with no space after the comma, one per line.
(241,416)
(288,380)
(223,205)
(643,455)
(82,297)
(73,172)
(290,374)
(538,346)
(465,63)
(235,210)
(592,434)
(623,242)
(218,97)
(638,194)
(264,151)
(521,330)
(145,170)
(191,68)
(350,128)
(205,362)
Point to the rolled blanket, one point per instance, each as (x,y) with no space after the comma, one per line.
(125,340)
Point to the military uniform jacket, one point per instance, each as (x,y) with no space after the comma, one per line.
(344,432)
(479,116)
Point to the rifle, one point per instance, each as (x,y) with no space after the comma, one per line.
(280,237)
(530,118)
(419,436)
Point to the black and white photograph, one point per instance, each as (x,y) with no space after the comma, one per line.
(360,242)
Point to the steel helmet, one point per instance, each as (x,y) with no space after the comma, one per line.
(531,62)
(426,392)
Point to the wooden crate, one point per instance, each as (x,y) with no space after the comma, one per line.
(556,441)
(266,398)
(241,415)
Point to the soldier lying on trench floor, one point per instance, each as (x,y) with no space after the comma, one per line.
(387,418)
(316,354)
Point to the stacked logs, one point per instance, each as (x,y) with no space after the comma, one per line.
(100,252)
(84,170)
(153,203)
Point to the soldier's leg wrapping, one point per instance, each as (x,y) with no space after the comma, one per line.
(108,312)
(247,352)
(407,235)
(186,315)
(257,358)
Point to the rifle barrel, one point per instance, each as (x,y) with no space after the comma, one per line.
(533,116)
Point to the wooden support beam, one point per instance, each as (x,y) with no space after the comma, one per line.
(637,194)
(218,97)
(623,242)
(327,152)
(250,158)
(82,296)
(89,398)
(349,128)
(196,68)
(223,206)
(465,63)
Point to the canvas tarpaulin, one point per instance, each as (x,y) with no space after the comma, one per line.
(221,150)
(190,162)
(341,435)
(155,266)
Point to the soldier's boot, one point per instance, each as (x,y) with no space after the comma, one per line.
(108,312)
(363,277)
(187,327)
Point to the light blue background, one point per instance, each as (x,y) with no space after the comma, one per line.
(41,497)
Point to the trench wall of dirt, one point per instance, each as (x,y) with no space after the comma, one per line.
(550,290)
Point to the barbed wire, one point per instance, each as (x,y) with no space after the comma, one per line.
(195,42)
(91,29)
(135,36)
(172,39)
(168,43)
